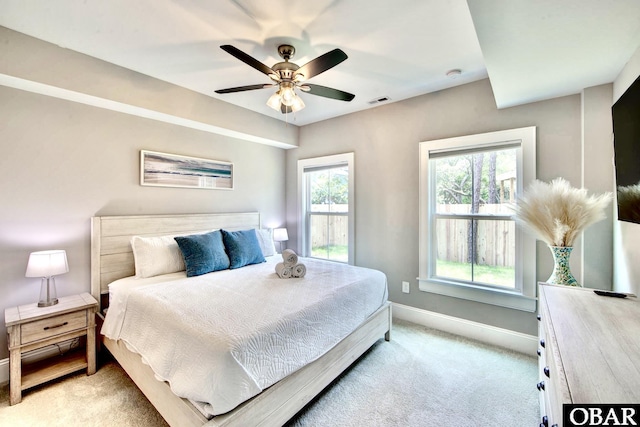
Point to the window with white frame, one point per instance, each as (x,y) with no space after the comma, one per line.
(325,187)
(470,245)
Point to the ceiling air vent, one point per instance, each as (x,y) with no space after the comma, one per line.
(379,100)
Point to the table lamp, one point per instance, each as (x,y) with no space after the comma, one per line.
(47,264)
(280,235)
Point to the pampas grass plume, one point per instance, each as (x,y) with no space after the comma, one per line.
(557,213)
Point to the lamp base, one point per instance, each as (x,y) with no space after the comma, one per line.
(48,303)
(48,294)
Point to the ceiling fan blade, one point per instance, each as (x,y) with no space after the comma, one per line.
(285,109)
(243,88)
(328,92)
(321,64)
(247,59)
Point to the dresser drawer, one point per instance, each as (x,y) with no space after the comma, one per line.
(50,327)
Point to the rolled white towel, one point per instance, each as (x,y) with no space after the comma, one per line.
(299,270)
(283,271)
(289,258)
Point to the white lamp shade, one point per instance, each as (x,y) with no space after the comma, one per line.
(280,235)
(297,104)
(287,95)
(47,263)
(274,101)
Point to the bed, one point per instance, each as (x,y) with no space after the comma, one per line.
(275,403)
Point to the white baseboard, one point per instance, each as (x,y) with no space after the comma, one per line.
(4,371)
(517,341)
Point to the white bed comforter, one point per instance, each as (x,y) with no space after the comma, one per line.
(221,338)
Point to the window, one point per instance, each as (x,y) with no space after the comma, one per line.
(470,246)
(326,208)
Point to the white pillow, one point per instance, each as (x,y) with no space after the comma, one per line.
(156,255)
(265,239)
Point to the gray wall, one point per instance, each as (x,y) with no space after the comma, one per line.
(62,163)
(385,141)
(597,143)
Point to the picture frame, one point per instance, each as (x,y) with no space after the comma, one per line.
(174,170)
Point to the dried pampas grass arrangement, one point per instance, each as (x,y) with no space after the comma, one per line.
(557,213)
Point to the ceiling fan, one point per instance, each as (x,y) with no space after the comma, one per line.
(288,76)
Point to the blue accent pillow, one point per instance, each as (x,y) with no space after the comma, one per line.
(203,253)
(242,247)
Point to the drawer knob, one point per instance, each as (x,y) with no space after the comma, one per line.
(542,343)
(539,317)
(546,371)
(545,422)
(56,326)
(540,386)
(539,353)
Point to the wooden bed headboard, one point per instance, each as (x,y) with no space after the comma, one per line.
(111,253)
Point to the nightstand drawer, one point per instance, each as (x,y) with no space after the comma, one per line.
(50,327)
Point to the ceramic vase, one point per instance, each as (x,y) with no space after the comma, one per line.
(561,272)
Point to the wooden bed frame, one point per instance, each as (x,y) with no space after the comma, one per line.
(112,259)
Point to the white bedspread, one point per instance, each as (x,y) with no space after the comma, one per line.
(221,338)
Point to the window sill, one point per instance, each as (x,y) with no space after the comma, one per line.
(502,298)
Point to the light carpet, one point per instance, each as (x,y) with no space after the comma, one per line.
(422,377)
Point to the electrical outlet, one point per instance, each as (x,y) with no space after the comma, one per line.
(405,287)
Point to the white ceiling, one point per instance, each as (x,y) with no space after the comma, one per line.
(530,49)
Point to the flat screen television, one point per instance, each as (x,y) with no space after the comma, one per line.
(626,143)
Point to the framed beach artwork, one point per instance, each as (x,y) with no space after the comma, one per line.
(173,170)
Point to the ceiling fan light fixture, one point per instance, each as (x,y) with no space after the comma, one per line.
(288,76)
(287,94)
(297,104)
(294,102)
(274,101)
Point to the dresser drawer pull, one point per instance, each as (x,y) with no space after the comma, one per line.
(539,317)
(540,386)
(539,353)
(546,371)
(56,326)
(542,343)
(545,422)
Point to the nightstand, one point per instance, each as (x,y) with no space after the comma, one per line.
(31,327)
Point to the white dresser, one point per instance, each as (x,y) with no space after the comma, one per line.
(589,349)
